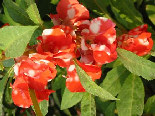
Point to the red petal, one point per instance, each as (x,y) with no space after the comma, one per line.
(20,93)
(100,25)
(43,95)
(101,57)
(73,83)
(71,10)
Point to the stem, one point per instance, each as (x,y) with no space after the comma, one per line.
(35,102)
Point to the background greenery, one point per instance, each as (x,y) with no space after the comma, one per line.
(130,78)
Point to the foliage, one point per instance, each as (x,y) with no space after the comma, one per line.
(112,86)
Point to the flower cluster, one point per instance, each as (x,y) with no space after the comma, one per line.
(74,36)
(90,43)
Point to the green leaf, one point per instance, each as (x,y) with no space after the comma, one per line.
(97,6)
(69,99)
(150,105)
(14,39)
(33,12)
(17,13)
(33,40)
(44,107)
(114,79)
(5,18)
(56,100)
(7,98)
(100,7)
(137,65)
(153,54)
(114,64)
(54,1)
(92,87)
(2,87)
(110,111)
(101,105)
(8,63)
(126,13)
(151,13)
(59,81)
(88,107)
(131,97)
(21,3)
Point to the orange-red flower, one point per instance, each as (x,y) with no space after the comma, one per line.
(60,42)
(32,72)
(138,40)
(21,96)
(98,42)
(69,11)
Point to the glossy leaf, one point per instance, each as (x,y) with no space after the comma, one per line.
(17,13)
(92,87)
(137,65)
(33,12)
(131,97)
(114,79)
(88,107)
(14,39)
(69,99)
(150,105)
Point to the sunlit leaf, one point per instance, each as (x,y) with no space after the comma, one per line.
(137,65)
(14,39)
(115,79)
(44,107)
(69,99)
(88,107)
(92,87)
(131,97)
(33,12)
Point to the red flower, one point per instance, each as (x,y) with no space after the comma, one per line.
(60,42)
(70,11)
(32,72)
(73,82)
(21,96)
(98,44)
(36,72)
(138,41)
